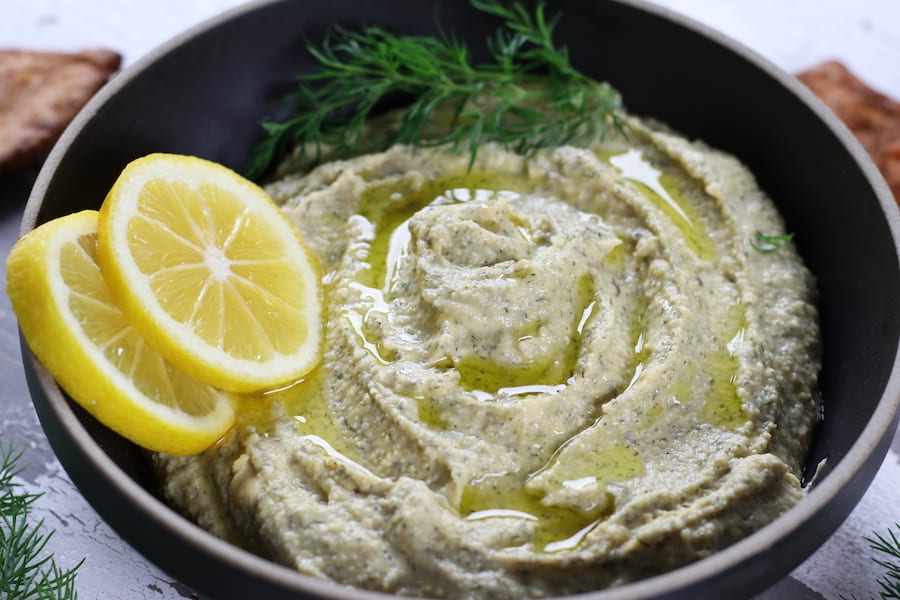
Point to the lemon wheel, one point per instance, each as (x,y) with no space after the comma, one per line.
(73,326)
(209,269)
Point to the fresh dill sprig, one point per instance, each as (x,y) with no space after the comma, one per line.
(889,545)
(27,571)
(770,243)
(528,97)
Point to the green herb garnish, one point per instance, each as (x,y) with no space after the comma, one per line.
(889,545)
(27,572)
(528,97)
(770,243)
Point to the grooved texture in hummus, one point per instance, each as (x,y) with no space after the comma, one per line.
(547,375)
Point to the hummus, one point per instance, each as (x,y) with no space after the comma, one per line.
(541,376)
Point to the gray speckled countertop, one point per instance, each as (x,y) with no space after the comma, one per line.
(794,34)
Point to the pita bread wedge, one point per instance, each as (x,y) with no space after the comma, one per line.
(873,117)
(40,93)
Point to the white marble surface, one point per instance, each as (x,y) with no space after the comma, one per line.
(794,34)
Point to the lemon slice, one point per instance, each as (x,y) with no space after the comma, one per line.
(72,325)
(209,269)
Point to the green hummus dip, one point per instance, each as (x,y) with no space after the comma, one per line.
(546,375)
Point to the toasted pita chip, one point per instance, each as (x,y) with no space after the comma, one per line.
(40,93)
(872,116)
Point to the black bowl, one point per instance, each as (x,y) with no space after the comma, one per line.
(204,92)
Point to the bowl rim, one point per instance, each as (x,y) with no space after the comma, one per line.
(873,439)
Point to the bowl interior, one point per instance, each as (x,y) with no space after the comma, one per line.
(205,93)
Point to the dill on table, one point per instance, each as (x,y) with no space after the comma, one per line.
(889,548)
(528,96)
(27,570)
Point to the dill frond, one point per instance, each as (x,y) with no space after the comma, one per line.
(767,244)
(889,546)
(529,96)
(27,571)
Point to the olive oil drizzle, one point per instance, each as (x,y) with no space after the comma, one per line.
(662,187)
(305,402)
(554,527)
(387,209)
(375,298)
(641,347)
(390,204)
(722,406)
(486,379)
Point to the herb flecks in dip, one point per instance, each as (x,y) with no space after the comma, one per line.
(545,375)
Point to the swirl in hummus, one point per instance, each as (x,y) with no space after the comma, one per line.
(546,375)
